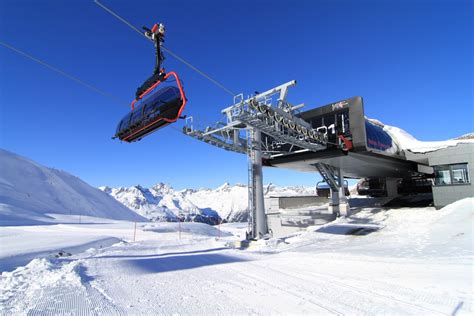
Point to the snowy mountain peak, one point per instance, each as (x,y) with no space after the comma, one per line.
(225,187)
(162,188)
(188,191)
(106,189)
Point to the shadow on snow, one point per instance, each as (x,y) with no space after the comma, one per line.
(168,262)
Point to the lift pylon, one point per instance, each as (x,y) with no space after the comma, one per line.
(263,125)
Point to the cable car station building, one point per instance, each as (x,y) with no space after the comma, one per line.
(337,141)
(453,168)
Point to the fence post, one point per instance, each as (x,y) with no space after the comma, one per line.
(135,231)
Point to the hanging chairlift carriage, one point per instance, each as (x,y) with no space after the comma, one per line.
(155,108)
(159,101)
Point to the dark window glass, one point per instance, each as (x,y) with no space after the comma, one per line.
(460,173)
(125,122)
(377,138)
(442,175)
(160,98)
(136,115)
(164,95)
(452,174)
(150,109)
(118,127)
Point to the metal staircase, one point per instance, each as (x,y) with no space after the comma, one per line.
(328,174)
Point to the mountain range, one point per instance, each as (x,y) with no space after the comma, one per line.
(227,203)
(34,194)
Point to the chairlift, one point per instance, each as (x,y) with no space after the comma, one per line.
(159,101)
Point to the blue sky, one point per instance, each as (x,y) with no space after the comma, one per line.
(410,60)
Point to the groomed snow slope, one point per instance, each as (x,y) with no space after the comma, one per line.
(29,192)
(410,261)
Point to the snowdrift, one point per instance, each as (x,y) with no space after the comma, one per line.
(423,232)
(30,191)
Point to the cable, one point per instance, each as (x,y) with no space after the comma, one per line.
(83,83)
(63,73)
(202,73)
(199,71)
(120,18)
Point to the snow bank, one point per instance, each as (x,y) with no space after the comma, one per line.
(404,232)
(20,280)
(29,191)
(48,287)
(22,246)
(455,227)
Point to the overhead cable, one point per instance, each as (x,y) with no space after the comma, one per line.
(202,73)
(63,73)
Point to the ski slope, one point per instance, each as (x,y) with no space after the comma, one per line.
(34,194)
(414,261)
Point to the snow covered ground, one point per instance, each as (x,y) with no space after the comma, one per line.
(68,248)
(378,261)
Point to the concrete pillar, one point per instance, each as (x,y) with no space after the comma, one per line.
(334,204)
(339,204)
(343,203)
(260,218)
(391,185)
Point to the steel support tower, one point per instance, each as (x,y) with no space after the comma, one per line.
(263,126)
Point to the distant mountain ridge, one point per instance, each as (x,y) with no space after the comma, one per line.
(30,193)
(227,202)
(466,136)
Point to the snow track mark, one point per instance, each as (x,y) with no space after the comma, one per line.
(50,288)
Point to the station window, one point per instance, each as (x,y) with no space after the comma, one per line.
(451,174)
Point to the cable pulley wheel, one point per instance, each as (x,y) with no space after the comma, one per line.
(304,131)
(262,108)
